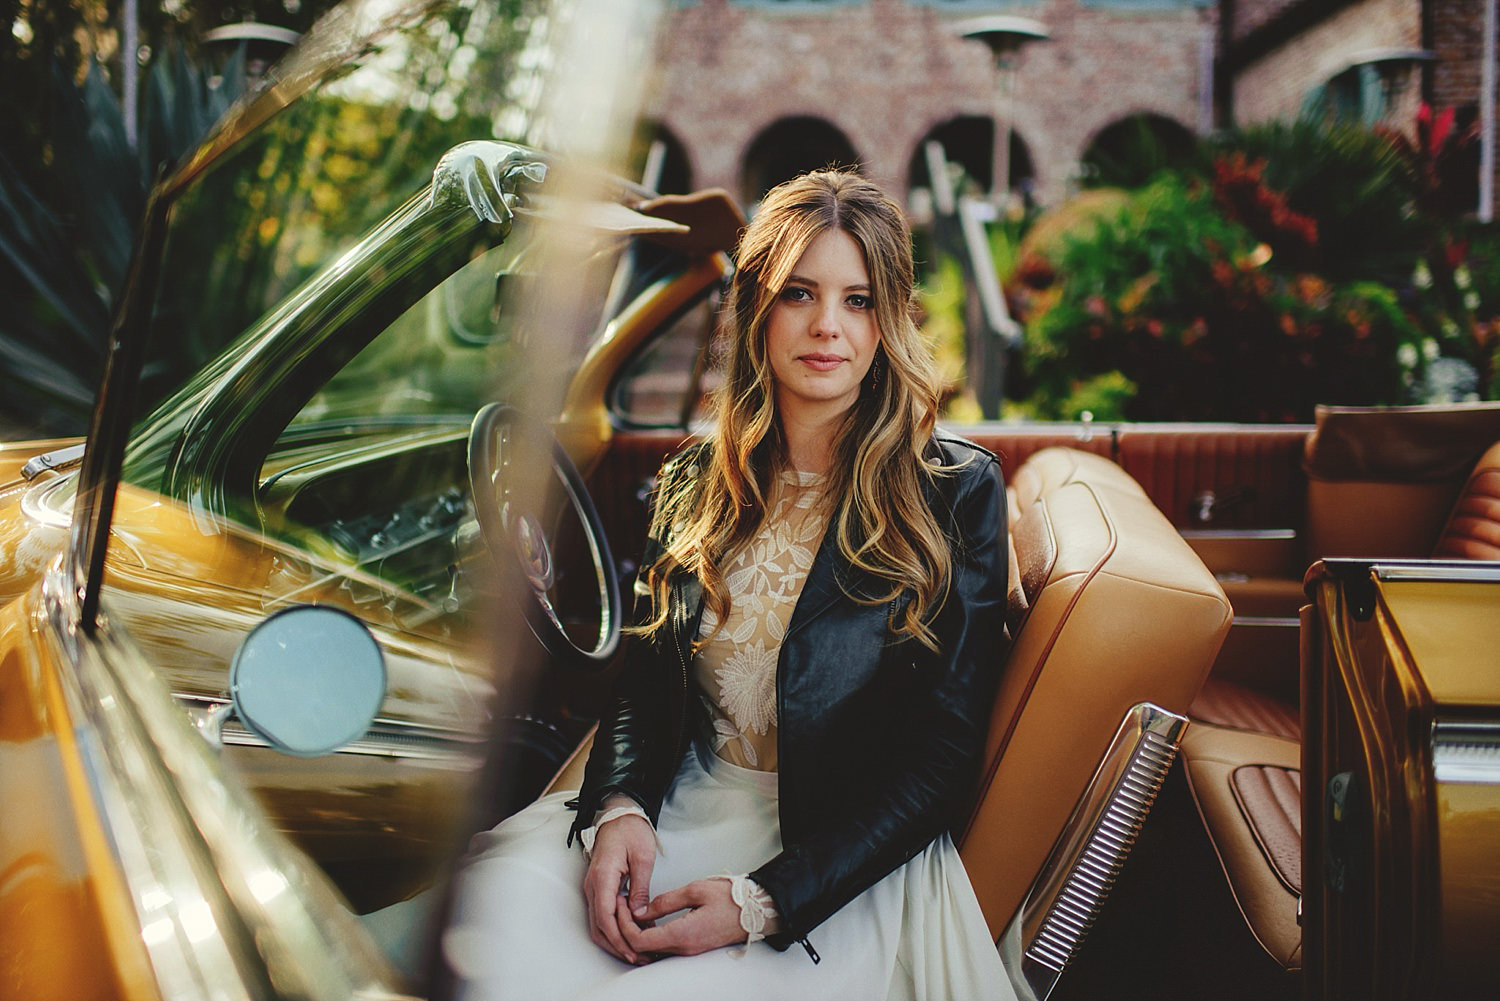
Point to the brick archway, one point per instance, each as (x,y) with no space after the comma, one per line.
(792,146)
(969,141)
(674,169)
(1127,150)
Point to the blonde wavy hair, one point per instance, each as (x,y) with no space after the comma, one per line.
(880,460)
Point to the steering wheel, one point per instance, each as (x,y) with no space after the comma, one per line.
(505,451)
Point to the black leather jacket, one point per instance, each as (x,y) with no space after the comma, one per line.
(878,740)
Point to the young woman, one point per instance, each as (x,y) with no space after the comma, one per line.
(799,717)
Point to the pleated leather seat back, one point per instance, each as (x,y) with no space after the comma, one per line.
(1473,528)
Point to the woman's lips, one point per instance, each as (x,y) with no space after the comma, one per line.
(821,363)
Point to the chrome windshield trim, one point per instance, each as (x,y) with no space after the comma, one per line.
(37,504)
(55,460)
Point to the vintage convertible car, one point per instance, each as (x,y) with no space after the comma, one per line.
(375,364)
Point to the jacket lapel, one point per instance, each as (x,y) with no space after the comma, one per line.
(832,576)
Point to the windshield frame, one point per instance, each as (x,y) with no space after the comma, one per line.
(341,35)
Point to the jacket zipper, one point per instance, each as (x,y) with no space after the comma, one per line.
(804,941)
(682,664)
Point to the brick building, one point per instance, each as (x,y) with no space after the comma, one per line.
(1378,59)
(752,91)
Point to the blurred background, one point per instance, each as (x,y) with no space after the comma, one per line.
(1125,209)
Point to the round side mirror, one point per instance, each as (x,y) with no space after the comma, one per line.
(309,680)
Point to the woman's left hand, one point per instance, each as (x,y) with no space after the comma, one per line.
(712,921)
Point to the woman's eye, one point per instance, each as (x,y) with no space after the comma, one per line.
(860,301)
(795,293)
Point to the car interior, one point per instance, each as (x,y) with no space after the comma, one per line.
(1163,565)
(1243,757)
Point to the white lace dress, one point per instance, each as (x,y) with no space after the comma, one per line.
(519,928)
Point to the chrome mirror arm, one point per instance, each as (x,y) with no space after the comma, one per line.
(209,722)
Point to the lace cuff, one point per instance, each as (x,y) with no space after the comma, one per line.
(630,809)
(758,912)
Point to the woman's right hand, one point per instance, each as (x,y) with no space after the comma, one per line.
(623,857)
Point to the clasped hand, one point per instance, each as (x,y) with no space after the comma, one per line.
(623,916)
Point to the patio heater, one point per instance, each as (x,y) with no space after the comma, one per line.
(992,331)
(1005,35)
(264,44)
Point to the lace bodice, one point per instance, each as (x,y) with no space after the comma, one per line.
(735,670)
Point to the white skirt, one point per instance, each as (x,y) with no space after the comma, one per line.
(519,929)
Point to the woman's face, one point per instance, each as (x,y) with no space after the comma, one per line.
(822,333)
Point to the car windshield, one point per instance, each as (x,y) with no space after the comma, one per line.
(309,280)
(341,290)
(306,186)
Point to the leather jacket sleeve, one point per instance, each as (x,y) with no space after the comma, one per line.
(633,752)
(920,787)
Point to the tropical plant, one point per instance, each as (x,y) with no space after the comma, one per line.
(1169,309)
(1287,264)
(253,232)
(1336,200)
(64,258)
(1454,294)
(1454,288)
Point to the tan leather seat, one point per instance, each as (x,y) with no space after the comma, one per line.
(1471,532)
(1119,611)
(1248,788)
(1231,704)
(1473,528)
(1055,467)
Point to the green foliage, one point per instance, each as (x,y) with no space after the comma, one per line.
(317,178)
(1290,264)
(77,37)
(1101,397)
(1455,297)
(1170,310)
(1332,199)
(279,206)
(942,294)
(64,257)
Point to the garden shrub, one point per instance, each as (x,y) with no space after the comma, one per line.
(1174,298)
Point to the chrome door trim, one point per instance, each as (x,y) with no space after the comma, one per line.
(1070,890)
(1466,751)
(225,907)
(386,738)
